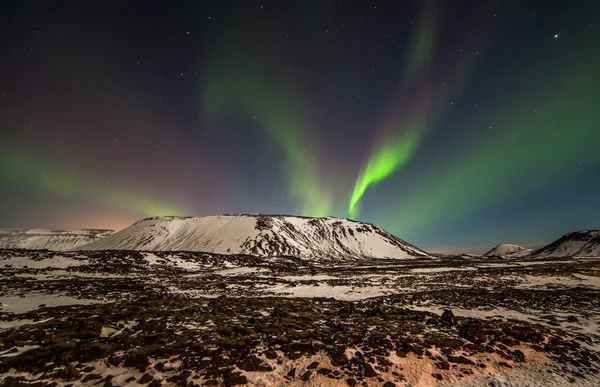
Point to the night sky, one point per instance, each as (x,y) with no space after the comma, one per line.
(455,125)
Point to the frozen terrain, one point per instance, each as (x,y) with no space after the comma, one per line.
(193,318)
(574,244)
(261,235)
(50,239)
(508,250)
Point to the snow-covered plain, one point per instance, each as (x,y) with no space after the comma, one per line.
(30,302)
(560,295)
(276,300)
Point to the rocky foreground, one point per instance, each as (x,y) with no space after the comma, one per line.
(131,318)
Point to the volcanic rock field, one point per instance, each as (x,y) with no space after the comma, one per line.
(117,318)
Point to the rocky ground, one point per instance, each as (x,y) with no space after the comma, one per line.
(163,318)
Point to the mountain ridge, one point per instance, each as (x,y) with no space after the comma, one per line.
(261,235)
(49,238)
(508,250)
(583,243)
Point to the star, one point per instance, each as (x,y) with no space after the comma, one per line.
(555,36)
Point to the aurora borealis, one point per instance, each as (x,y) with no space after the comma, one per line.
(455,125)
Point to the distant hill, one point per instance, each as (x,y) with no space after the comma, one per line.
(50,239)
(508,250)
(574,244)
(261,235)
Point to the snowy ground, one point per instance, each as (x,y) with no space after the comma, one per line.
(131,318)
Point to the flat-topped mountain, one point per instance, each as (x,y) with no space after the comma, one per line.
(50,239)
(508,250)
(261,235)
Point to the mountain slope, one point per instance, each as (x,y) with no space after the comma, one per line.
(574,244)
(508,250)
(261,235)
(51,239)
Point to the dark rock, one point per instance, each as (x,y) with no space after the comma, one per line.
(88,328)
(254,364)
(370,371)
(312,365)
(473,331)
(90,377)
(70,372)
(448,317)
(443,365)
(460,360)
(443,341)
(278,312)
(234,380)
(137,360)
(306,376)
(292,373)
(518,355)
(339,358)
(438,376)
(146,378)
(185,375)
(201,365)
(511,342)
(351,382)
(470,347)
(504,364)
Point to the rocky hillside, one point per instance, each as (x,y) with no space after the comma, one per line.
(50,239)
(574,244)
(261,235)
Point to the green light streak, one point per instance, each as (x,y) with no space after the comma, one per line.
(389,157)
(39,174)
(279,116)
(421,51)
(541,140)
(393,150)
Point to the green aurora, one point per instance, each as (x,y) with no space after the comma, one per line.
(403,136)
(539,139)
(279,115)
(43,176)
(446,125)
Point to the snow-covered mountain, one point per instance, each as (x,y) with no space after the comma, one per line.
(508,250)
(51,239)
(261,235)
(573,244)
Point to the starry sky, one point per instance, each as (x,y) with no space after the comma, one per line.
(455,125)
